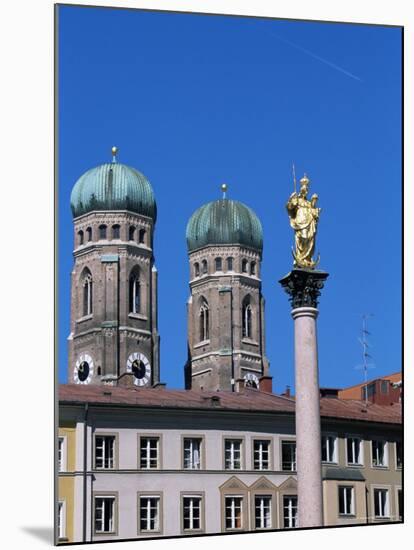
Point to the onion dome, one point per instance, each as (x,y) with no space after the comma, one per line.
(224,222)
(113,186)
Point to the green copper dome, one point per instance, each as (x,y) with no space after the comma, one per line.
(113,186)
(224,222)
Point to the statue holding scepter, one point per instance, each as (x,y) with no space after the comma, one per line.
(304,217)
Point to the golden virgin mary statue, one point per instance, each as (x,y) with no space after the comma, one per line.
(304,217)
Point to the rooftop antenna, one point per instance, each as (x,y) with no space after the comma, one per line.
(365,355)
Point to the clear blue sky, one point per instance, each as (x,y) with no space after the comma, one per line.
(193,101)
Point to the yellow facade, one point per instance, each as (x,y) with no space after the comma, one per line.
(66,486)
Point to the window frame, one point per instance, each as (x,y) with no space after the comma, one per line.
(361,451)
(230,264)
(115,458)
(150,494)
(296,517)
(103,232)
(116,228)
(241,439)
(199,437)
(399,514)
(192,494)
(396,455)
(342,489)
(243,506)
(387,515)
(335,450)
(143,435)
(61,520)
(290,441)
(62,464)
(269,440)
(385,454)
(108,495)
(272,514)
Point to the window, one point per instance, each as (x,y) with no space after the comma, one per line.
(134,292)
(232,454)
(400,499)
(87,294)
(263,511)
(149,512)
(379,453)
(384,386)
(346,500)
(233,512)
(230,264)
(329,453)
(381,504)
(196,269)
(253,268)
(131,233)
(192,453)
(398,454)
(261,454)
(290,511)
(289,456)
(102,231)
(219,264)
(244,266)
(204,266)
(149,453)
(141,236)
(204,321)
(354,451)
(104,452)
(80,237)
(104,514)
(89,234)
(192,513)
(61,454)
(246,318)
(116,231)
(61,520)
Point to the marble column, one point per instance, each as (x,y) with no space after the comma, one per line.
(303,287)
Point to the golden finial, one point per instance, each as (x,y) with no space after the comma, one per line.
(224,189)
(114,153)
(305,180)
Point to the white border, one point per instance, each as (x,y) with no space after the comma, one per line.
(26,42)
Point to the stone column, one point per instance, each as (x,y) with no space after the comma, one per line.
(303,287)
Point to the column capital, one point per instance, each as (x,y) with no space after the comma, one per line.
(304,287)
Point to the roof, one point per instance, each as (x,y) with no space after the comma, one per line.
(394,377)
(224,222)
(250,400)
(113,186)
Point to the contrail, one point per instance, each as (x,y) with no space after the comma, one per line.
(329,63)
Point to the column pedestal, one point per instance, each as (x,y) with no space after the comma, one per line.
(303,287)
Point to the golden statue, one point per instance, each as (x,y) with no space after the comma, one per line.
(304,217)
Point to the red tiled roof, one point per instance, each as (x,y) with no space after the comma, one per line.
(248,400)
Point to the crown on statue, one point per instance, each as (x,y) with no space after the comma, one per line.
(305,180)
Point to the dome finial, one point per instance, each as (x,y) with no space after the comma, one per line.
(114,153)
(224,189)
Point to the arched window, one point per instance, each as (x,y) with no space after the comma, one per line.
(131,233)
(204,266)
(87,293)
(204,321)
(244,266)
(116,231)
(253,268)
(229,264)
(89,234)
(134,292)
(80,237)
(99,371)
(196,269)
(246,318)
(141,236)
(102,231)
(219,264)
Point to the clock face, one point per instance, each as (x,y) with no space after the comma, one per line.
(140,367)
(251,380)
(83,371)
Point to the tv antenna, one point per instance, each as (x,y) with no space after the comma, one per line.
(365,355)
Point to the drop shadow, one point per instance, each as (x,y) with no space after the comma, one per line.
(43,533)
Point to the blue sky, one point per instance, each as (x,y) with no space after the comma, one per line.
(193,101)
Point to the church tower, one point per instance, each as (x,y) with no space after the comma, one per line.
(226,341)
(114,338)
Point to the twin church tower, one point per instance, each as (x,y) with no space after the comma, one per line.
(114,335)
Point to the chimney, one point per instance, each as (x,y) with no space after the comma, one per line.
(286,393)
(265,384)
